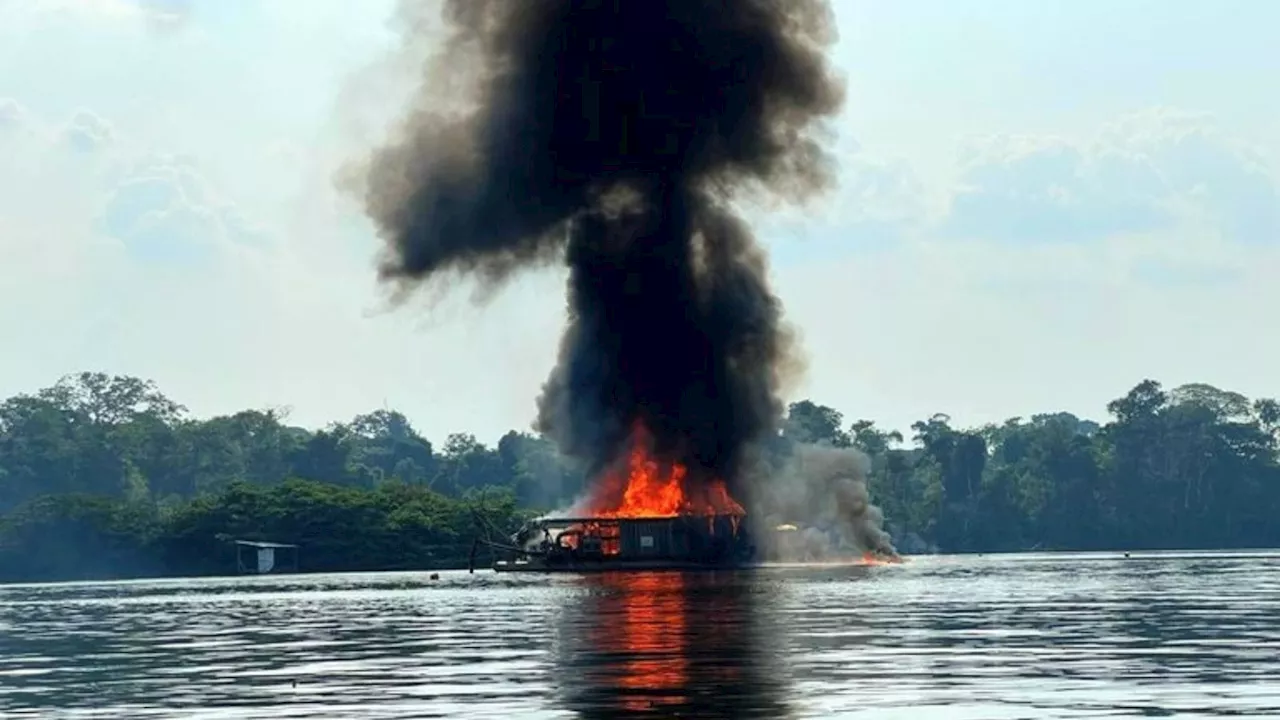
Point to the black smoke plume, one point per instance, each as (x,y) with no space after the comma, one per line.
(616,135)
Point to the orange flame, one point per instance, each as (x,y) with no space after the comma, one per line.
(871,558)
(645,487)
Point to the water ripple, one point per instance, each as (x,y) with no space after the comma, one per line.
(1030,636)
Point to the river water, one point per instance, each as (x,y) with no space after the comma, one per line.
(1013,636)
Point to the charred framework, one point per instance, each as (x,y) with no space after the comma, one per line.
(616,134)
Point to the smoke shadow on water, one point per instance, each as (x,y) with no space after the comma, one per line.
(670,644)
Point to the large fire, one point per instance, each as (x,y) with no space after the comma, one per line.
(646,487)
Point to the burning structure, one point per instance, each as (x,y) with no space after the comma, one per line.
(681,542)
(642,513)
(618,136)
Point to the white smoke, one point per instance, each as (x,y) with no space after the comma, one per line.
(817,507)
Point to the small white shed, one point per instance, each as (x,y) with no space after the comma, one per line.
(257,557)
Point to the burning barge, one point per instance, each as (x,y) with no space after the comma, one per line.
(646,514)
(681,542)
(642,514)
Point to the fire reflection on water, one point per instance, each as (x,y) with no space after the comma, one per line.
(651,630)
(666,644)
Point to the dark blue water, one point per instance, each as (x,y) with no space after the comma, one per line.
(1021,636)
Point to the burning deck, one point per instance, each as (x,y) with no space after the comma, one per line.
(612,543)
(643,513)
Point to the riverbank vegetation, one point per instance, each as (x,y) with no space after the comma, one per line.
(104,476)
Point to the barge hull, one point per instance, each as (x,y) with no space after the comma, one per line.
(505,566)
(600,544)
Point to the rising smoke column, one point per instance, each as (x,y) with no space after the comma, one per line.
(615,134)
(824,488)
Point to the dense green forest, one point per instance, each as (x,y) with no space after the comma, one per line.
(104,476)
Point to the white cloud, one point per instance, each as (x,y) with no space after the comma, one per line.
(160,12)
(87,132)
(12,115)
(1065,271)
(164,210)
(86,231)
(1148,172)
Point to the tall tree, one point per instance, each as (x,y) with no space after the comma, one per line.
(808,422)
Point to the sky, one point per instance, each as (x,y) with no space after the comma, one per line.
(1040,205)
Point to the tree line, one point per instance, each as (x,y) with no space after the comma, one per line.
(105,476)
